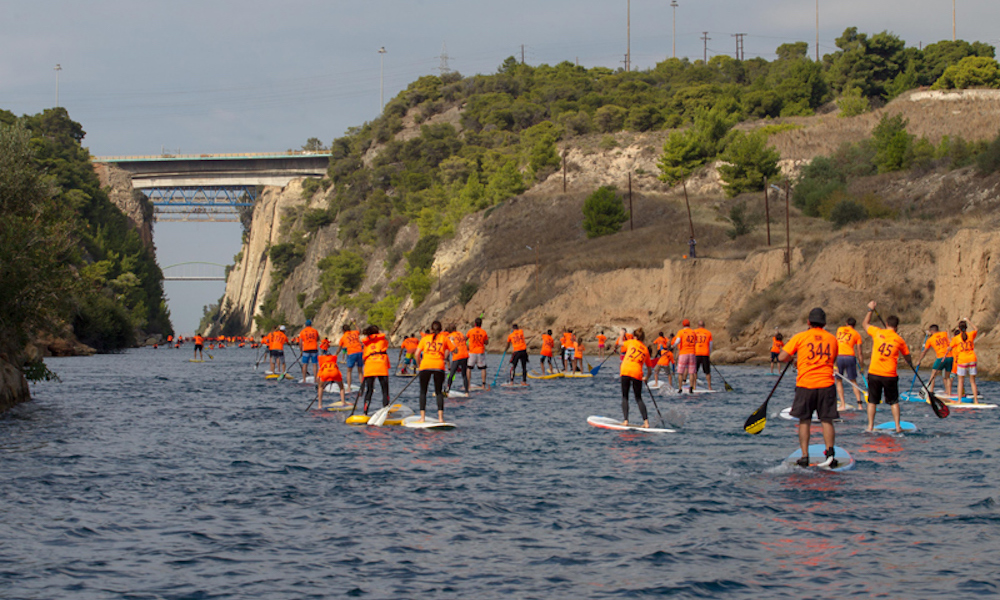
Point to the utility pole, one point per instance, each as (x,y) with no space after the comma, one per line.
(817,30)
(740,54)
(767,213)
(953,15)
(628,36)
(58,68)
(688,204)
(674,5)
(631,224)
(522,54)
(381,79)
(443,68)
(788,232)
(564,152)
(705,39)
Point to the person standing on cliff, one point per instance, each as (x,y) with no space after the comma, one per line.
(887,347)
(309,342)
(350,343)
(815,350)
(691,244)
(703,352)
(849,360)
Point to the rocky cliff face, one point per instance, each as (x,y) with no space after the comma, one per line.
(124,196)
(13,386)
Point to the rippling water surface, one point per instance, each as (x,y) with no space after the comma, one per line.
(145,476)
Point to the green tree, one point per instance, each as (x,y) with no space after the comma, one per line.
(747,161)
(853,103)
(867,62)
(939,56)
(341,273)
(603,212)
(893,145)
(970,72)
(686,151)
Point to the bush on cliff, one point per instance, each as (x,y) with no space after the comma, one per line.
(603,212)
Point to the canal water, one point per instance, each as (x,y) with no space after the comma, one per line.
(143,475)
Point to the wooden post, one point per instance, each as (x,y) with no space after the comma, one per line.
(536,268)
(767,213)
(564,169)
(788,234)
(631,224)
(688,203)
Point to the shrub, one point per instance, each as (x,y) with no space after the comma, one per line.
(603,212)
(893,145)
(970,72)
(285,258)
(853,103)
(466,291)
(418,282)
(316,219)
(610,118)
(608,142)
(383,313)
(988,161)
(309,187)
(748,161)
(743,223)
(847,211)
(422,255)
(341,273)
(103,324)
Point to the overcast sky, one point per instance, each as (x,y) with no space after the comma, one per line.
(255,76)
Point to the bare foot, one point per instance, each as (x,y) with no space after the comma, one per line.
(625,423)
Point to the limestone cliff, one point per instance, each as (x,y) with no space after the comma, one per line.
(133,204)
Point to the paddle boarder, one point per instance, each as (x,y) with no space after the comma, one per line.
(328,373)
(602,340)
(665,360)
(548,343)
(703,353)
(309,342)
(199,346)
(276,348)
(940,343)
(430,360)
(963,347)
(350,343)
(459,357)
(515,341)
(815,350)
(777,342)
(887,347)
(375,353)
(636,355)
(477,340)
(409,348)
(849,360)
(686,363)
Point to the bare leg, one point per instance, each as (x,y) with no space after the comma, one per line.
(895,417)
(975,390)
(804,425)
(871,417)
(829,434)
(961,386)
(841,404)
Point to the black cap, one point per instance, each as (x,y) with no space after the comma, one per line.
(817,316)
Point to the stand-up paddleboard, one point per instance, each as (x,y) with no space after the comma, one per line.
(194,360)
(333,387)
(473,388)
(655,385)
(973,405)
(609,423)
(513,384)
(397,414)
(576,375)
(357,420)
(844,458)
(429,423)
(456,394)
(687,390)
(338,406)
(310,380)
(535,375)
(891,426)
(786,413)
(276,376)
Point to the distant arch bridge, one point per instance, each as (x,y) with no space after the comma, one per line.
(194,271)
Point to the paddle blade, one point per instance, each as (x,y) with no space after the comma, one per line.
(378,419)
(729,388)
(757,421)
(940,408)
(595,370)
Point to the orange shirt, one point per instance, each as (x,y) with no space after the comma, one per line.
(817,353)
(661,343)
(940,343)
(601,339)
(199,340)
(636,355)
(964,351)
(432,349)
(325,344)
(516,340)
(351,340)
(310,339)
(578,351)
(277,340)
(457,346)
(410,345)
(686,340)
(703,342)
(886,348)
(477,340)
(547,344)
(328,369)
(566,341)
(847,339)
(666,357)
(376,355)
(775,345)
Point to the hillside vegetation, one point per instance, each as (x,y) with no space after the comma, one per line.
(450,146)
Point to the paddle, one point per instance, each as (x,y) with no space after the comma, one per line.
(288,365)
(361,387)
(313,402)
(263,355)
(940,408)
(497,376)
(729,388)
(378,417)
(758,420)
(917,368)
(595,370)
(653,398)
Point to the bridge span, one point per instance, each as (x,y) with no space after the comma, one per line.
(213,187)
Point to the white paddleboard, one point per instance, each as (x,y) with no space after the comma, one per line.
(339,406)
(456,394)
(786,413)
(310,380)
(609,423)
(333,387)
(816,456)
(428,423)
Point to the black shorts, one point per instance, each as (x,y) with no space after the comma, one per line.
(877,384)
(702,362)
(199,346)
(822,401)
(277,354)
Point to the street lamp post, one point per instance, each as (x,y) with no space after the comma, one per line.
(674,5)
(381,78)
(57,68)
